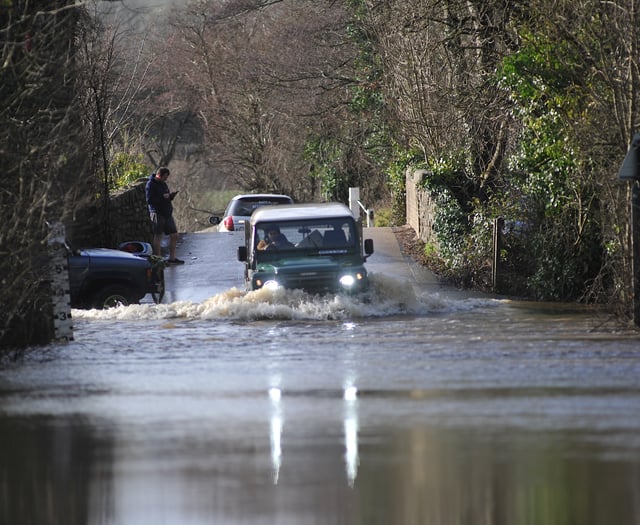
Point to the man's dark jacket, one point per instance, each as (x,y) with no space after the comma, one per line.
(155,190)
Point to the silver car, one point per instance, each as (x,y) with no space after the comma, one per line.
(241,207)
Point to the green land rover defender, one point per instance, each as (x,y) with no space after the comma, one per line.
(314,247)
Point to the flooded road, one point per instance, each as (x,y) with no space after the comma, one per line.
(413,405)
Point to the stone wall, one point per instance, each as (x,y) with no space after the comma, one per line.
(130,216)
(421,207)
(127,217)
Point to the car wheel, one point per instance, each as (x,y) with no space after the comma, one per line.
(112,296)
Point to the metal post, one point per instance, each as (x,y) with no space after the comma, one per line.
(635,249)
(354,198)
(498,224)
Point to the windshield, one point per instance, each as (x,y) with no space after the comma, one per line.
(324,236)
(247,205)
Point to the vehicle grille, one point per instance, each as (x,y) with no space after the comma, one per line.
(313,281)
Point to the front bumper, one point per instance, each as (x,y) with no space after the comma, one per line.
(313,281)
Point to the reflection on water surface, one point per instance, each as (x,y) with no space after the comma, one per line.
(266,408)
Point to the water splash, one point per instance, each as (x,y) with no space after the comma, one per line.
(387,296)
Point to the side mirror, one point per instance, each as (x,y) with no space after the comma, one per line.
(242,253)
(368,247)
(213,220)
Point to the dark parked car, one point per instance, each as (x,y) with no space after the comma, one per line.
(103,278)
(241,207)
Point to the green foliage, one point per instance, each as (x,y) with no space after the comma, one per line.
(383,217)
(364,99)
(539,75)
(450,224)
(515,259)
(324,155)
(548,169)
(366,94)
(396,170)
(429,250)
(355,151)
(340,157)
(127,169)
(453,172)
(347,157)
(447,183)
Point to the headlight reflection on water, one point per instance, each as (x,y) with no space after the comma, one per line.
(350,425)
(275,394)
(351,457)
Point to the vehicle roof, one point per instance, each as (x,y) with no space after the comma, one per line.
(109,253)
(259,196)
(288,212)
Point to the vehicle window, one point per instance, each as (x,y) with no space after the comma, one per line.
(336,234)
(241,208)
(246,207)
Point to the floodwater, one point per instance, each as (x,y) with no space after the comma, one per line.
(412,405)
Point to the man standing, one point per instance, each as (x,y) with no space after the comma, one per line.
(161,212)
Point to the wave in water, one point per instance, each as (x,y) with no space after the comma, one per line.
(387,296)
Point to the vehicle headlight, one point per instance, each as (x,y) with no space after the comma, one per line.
(271,284)
(347,281)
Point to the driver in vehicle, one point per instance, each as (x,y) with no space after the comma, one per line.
(274,240)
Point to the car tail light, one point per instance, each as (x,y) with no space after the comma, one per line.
(228,223)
